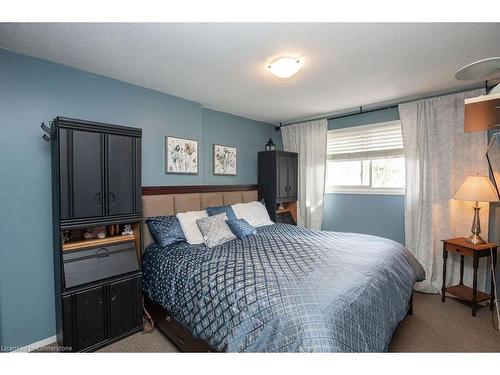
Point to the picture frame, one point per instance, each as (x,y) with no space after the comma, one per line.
(181,155)
(224,160)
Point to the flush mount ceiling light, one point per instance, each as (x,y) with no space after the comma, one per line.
(284,67)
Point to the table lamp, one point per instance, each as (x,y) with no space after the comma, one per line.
(478,189)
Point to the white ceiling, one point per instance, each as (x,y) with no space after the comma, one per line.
(222,65)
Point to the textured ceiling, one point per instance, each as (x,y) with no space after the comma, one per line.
(222,66)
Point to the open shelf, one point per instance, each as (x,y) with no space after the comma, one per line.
(465,293)
(85,244)
(290,207)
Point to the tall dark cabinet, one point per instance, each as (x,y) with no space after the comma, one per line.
(278,182)
(96,179)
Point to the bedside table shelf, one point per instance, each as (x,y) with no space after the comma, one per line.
(466,293)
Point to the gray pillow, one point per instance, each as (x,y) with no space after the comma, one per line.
(214,229)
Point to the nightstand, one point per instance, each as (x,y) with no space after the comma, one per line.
(464,249)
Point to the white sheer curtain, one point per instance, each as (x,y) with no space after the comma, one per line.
(309,140)
(439,156)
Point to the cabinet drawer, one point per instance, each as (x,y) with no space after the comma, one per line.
(460,250)
(81,267)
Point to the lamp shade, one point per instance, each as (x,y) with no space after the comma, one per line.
(477,188)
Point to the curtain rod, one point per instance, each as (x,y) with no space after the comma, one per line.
(374,107)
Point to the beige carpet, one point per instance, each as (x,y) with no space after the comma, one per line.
(154,342)
(445,327)
(433,327)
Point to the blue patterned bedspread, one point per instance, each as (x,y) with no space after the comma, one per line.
(286,289)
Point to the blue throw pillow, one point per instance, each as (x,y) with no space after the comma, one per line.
(211,211)
(166,230)
(241,228)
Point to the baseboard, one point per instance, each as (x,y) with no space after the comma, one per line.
(36,345)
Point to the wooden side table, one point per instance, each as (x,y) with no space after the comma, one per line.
(465,249)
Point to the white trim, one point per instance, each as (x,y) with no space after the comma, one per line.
(365,191)
(367,155)
(35,345)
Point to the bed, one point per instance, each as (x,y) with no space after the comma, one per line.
(284,289)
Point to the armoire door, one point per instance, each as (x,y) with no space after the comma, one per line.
(282,177)
(81,174)
(125,306)
(90,312)
(120,167)
(292,177)
(138,173)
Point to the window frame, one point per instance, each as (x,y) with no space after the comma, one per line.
(360,189)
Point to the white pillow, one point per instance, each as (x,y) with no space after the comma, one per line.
(190,228)
(254,213)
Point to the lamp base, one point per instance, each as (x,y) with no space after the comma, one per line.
(475,239)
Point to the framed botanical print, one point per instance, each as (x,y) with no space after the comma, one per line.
(181,155)
(224,160)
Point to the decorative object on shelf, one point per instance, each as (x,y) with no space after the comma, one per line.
(100,232)
(478,189)
(66,236)
(181,155)
(127,229)
(281,207)
(113,230)
(270,146)
(89,234)
(95,232)
(76,234)
(224,160)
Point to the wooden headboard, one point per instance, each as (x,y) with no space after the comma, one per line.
(170,200)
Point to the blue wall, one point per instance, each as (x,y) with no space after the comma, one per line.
(244,135)
(34,90)
(380,215)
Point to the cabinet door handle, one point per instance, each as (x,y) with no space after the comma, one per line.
(114,294)
(98,199)
(112,199)
(102,252)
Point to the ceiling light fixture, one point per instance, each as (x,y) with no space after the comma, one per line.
(285,67)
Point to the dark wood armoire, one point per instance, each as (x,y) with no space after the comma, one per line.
(278,183)
(96,183)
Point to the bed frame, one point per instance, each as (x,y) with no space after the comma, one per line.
(170,200)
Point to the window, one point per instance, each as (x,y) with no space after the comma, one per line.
(366,159)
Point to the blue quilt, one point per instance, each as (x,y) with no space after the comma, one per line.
(286,289)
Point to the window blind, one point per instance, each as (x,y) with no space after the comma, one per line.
(365,142)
